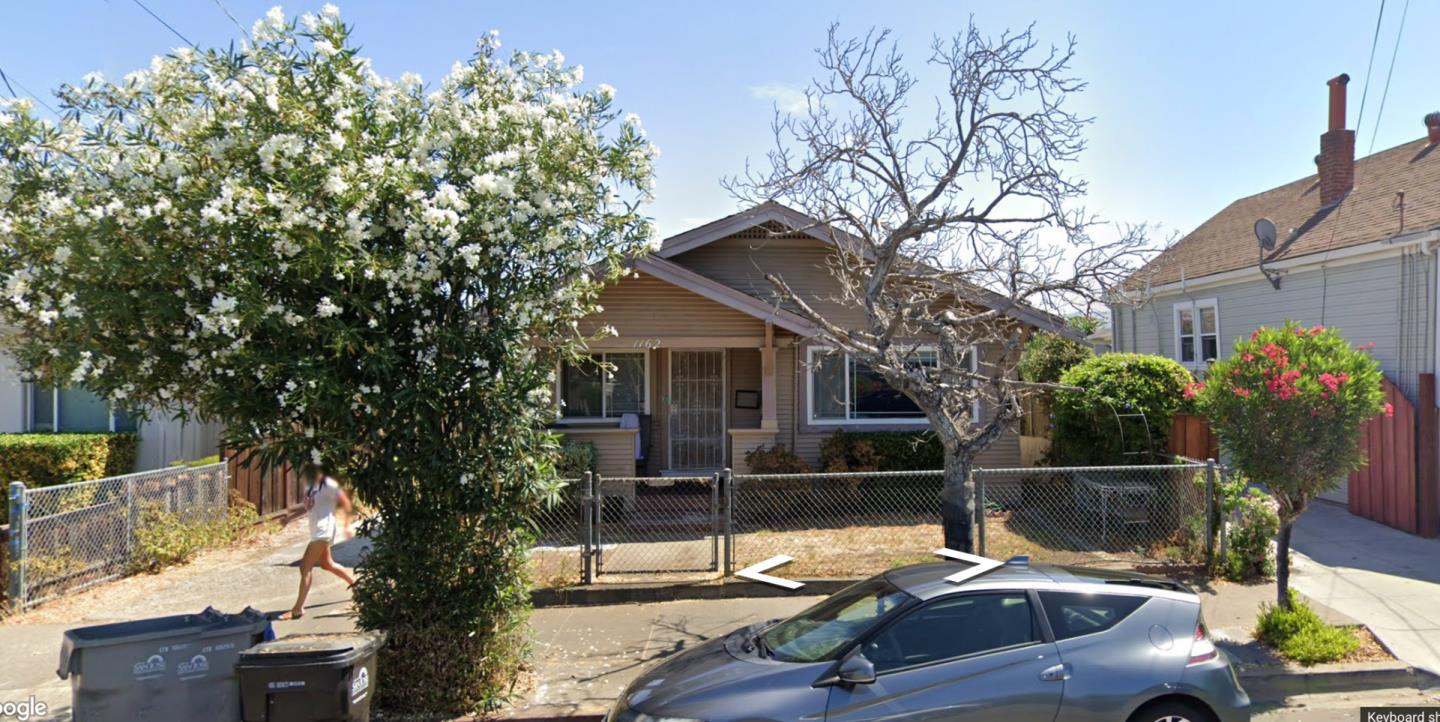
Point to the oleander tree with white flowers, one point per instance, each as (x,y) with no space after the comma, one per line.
(371,275)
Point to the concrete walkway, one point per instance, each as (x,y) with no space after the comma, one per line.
(1385,578)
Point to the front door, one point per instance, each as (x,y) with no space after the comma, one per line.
(697,410)
(964,658)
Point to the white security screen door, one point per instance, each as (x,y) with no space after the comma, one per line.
(697,410)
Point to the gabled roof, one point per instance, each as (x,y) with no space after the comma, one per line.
(683,277)
(779,213)
(1226,242)
(767,212)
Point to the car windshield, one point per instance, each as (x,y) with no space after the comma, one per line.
(822,631)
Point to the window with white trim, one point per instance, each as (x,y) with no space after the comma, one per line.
(75,411)
(1197,332)
(605,386)
(843,390)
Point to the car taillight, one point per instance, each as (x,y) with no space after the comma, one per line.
(1201,648)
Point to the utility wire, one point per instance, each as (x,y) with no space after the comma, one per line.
(1393,54)
(161,20)
(1374,42)
(28,92)
(233,21)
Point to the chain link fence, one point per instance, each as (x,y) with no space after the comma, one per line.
(1088,515)
(862,523)
(68,537)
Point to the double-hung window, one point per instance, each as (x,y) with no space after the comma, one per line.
(843,390)
(1197,332)
(605,386)
(74,410)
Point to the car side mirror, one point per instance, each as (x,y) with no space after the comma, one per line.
(855,669)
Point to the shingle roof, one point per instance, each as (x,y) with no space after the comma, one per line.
(1227,242)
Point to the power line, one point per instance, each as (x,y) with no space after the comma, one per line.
(1393,54)
(1374,42)
(161,20)
(28,92)
(233,21)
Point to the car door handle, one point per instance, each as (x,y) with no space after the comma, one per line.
(1058,673)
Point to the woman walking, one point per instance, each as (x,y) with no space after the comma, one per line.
(323,498)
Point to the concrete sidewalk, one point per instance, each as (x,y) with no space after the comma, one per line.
(1383,577)
(261,574)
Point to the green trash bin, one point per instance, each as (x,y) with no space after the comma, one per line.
(180,667)
(310,678)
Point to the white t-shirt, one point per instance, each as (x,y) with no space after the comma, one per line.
(320,501)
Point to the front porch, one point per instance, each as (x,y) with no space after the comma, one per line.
(706,403)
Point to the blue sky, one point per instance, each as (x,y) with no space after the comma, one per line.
(1195,103)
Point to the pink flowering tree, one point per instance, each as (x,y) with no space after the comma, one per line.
(1288,406)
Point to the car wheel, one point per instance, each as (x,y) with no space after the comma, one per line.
(1172,710)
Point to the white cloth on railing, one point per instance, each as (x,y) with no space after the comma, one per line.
(632,421)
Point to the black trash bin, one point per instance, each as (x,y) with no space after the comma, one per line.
(165,668)
(309,677)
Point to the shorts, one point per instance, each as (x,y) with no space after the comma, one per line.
(323,530)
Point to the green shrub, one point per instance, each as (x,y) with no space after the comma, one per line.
(1299,634)
(202,461)
(1122,413)
(49,459)
(881,451)
(164,538)
(1247,554)
(576,458)
(1047,356)
(775,460)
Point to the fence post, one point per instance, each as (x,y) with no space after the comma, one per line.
(18,547)
(1211,517)
(597,513)
(977,479)
(715,524)
(728,480)
(587,529)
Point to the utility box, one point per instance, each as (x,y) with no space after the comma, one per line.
(176,667)
(310,677)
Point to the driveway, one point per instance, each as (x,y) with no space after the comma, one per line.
(1386,578)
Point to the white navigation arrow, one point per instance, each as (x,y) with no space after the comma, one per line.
(981,565)
(756,572)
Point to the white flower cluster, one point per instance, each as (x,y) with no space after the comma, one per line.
(181,227)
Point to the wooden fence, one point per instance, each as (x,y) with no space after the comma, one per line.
(1384,490)
(1191,437)
(273,490)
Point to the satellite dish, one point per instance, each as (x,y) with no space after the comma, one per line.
(1265,233)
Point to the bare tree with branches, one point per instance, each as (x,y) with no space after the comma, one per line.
(949,235)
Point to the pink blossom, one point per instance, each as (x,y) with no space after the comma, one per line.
(1389,409)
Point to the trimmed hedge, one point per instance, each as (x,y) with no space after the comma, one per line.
(576,458)
(881,451)
(50,459)
(1122,414)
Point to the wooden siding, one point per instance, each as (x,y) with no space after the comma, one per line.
(741,262)
(1388,301)
(744,376)
(614,447)
(648,308)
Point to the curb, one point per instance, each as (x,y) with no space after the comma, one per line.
(668,592)
(1288,681)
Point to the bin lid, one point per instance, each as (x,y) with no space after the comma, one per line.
(313,648)
(208,623)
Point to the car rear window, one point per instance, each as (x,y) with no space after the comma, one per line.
(1073,614)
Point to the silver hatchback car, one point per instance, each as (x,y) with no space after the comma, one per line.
(1020,643)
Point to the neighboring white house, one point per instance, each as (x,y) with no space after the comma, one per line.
(1355,250)
(26,407)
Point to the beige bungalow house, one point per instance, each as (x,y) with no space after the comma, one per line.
(706,366)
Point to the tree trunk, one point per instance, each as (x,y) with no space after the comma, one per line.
(957,505)
(1282,564)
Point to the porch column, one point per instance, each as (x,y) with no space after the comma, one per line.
(767,381)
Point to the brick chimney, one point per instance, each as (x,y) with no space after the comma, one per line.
(1432,127)
(1337,149)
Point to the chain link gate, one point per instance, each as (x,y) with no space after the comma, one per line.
(641,525)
